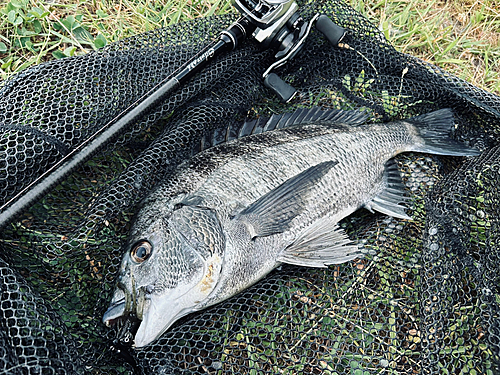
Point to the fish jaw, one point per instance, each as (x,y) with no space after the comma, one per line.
(156,313)
(117,309)
(159,313)
(160,310)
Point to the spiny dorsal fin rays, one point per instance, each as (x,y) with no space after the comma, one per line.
(301,116)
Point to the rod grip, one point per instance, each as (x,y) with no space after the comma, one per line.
(331,31)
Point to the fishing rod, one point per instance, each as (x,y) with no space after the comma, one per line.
(274,24)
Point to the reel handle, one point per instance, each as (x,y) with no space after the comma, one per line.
(283,90)
(334,33)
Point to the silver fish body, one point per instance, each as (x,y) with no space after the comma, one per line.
(234,212)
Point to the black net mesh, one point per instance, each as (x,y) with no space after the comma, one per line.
(425,299)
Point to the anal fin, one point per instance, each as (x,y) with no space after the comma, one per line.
(392,196)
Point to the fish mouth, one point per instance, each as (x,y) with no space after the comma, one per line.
(156,317)
(145,315)
(127,312)
(126,324)
(115,313)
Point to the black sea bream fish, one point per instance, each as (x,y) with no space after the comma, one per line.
(232,213)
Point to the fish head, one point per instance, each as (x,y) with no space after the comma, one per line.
(171,264)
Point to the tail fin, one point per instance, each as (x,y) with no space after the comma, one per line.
(434,129)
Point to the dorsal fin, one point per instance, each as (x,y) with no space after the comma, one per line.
(316,114)
(300,116)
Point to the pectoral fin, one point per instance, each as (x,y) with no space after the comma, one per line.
(321,244)
(390,198)
(273,212)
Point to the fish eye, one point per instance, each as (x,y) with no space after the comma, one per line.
(141,251)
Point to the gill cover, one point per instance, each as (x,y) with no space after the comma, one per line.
(191,263)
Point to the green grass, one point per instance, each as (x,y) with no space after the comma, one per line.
(32,32)
(462,37)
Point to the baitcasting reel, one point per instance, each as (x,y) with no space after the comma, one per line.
(279,26)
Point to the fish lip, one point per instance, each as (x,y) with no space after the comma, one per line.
(114,313)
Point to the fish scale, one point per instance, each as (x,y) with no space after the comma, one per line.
(290,158)
(232,213)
